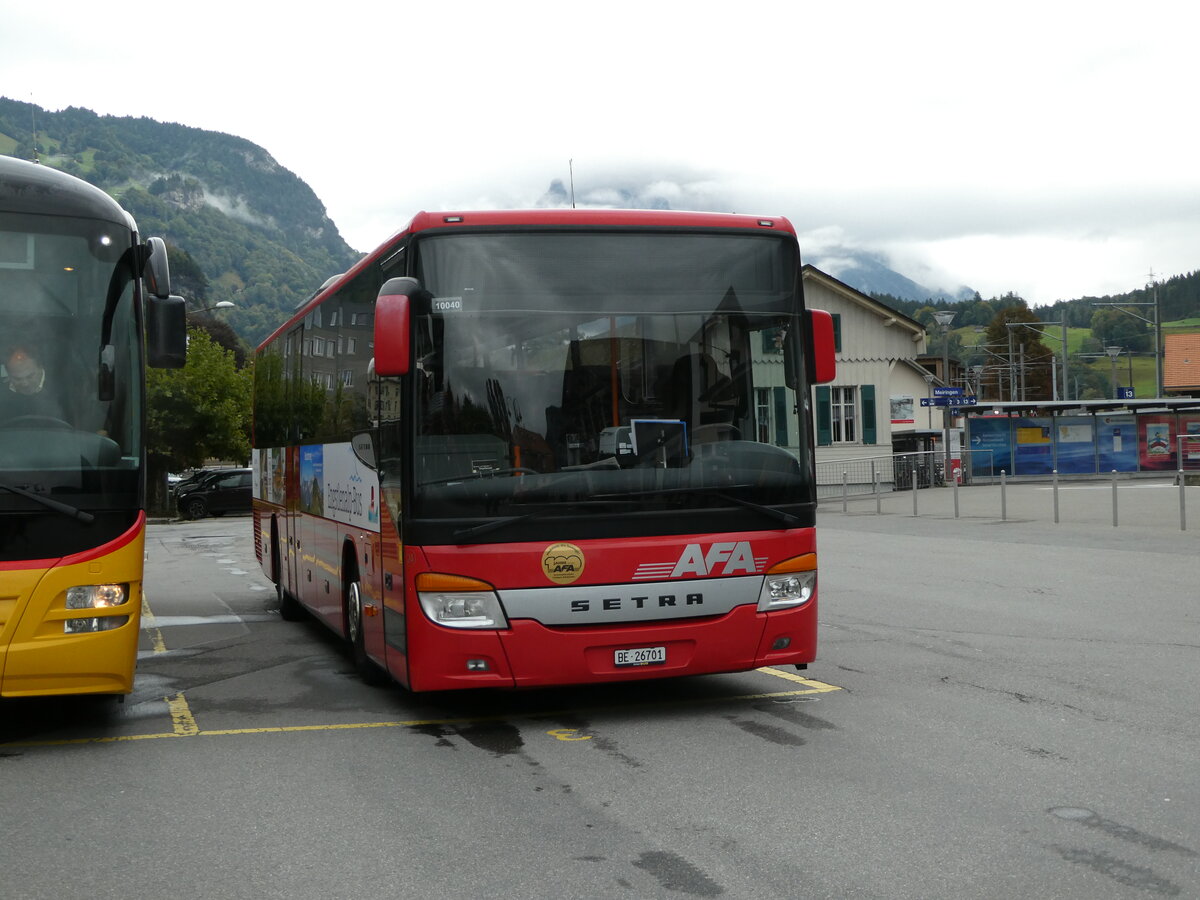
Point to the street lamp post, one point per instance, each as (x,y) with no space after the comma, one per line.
(944,317)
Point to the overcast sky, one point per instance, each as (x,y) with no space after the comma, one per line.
(1047,148)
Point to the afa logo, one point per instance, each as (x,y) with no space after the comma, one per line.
(718,559)
(562,563)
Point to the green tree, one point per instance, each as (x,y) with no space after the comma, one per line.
(1110,326)
(195,413)
(1027,347)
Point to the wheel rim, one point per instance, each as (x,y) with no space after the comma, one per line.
(354,612)
(195,509)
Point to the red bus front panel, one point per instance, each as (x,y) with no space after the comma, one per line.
(639,609)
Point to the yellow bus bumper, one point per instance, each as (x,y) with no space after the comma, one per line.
(43,649)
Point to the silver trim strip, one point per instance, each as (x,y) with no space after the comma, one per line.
(613,604)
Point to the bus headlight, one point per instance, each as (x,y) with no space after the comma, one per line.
(91,626)
(97,596)
(789,584)
(458,602)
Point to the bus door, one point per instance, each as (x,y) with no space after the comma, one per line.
(289,536)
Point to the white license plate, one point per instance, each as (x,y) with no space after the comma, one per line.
(640,656)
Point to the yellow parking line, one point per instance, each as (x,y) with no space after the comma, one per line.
(185,725)
(181,713)
(818,687)
(181,716)
(150,626)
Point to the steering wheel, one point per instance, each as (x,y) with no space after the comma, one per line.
(34,421)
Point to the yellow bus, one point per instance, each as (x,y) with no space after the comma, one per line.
(85,305)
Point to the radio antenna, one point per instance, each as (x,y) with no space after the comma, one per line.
(571,168)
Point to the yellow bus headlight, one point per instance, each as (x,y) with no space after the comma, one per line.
(97,596)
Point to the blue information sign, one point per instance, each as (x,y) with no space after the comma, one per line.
(947,392)
(949,401)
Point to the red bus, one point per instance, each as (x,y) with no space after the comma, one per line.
(77,328)
(514,449)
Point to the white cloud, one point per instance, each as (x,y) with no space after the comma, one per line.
(1041,148)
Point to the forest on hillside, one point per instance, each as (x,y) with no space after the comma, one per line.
(244,228)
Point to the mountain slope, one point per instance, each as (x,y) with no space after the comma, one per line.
(259,234)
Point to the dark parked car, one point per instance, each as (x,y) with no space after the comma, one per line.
(215,494)
(190,481)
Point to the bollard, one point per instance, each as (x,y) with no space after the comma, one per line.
(1003,497)
(915,479)
(956,496)
(1182,499)
(1114,476)
(1056,496)
(875,483)
(845,489)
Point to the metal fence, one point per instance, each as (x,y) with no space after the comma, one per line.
(880,476)
(898,472)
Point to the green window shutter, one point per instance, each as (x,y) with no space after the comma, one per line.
(867,392)
(837,332)
(781,417)
(824,417)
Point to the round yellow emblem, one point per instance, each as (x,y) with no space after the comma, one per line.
(562,563)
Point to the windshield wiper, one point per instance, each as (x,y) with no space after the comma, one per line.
(482,473)
(494,524)
(770,511)
(64,509)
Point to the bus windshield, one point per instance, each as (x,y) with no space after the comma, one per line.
(602,375)
(58,441)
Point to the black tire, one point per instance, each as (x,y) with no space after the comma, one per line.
(290,609)
(367,670)
(195,508)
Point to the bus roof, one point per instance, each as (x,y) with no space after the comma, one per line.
(544,218)
(27,187)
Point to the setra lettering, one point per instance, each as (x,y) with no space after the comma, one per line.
(616,604)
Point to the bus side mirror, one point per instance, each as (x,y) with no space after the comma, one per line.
(157,274)
(166,332)
(393,314)
(822,365)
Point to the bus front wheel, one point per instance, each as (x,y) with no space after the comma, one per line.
(366,668)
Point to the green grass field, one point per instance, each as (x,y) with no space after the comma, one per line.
(1143,370)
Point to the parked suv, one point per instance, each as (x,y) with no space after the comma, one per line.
(194,478)
(216,493)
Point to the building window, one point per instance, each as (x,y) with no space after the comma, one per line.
(762,404)
(844,414)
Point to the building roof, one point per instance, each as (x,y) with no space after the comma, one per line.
(889,316)
(1081,407)
(1181,362)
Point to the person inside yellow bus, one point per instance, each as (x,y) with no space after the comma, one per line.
(27,392)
